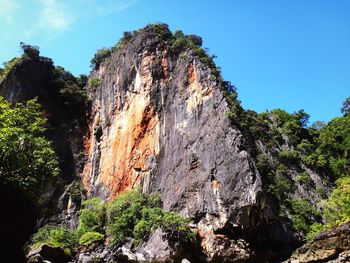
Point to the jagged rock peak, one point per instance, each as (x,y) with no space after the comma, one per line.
(158,121)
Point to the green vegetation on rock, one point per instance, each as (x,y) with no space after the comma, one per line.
(8,66)
(71,89)
(131,214)
(282,146)
(27,158)
(90,238)
(137,215)
(91,217)
(94,82)
(56,236)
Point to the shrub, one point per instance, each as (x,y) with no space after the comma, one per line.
(176,225)
(288,157)
(94,82)
(71,89)
(131,214)
(280,185)
(127,36)
(90,238)
(73,95)
(314,229)
(30,51)
(150,219)
(336,210)
(137,215)
(59,236)
(99,56)
(304,214)
(160,29)
(321,191)
(337,207)
(304,178)
(196,40)
(91,217)
(8,66)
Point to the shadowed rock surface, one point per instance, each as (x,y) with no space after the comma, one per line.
(329,246)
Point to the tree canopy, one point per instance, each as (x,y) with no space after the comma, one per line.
(27,159)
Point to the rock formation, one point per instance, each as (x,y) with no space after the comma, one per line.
(330,246)
(158,120)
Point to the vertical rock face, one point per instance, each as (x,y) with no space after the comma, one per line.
(158,121)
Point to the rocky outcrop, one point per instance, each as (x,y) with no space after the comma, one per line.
(159,122)
(35,78)
(47,253)
(329,246)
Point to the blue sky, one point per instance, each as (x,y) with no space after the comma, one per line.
(290,54)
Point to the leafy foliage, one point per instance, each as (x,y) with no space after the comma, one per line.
(30,51)
(337,207)
(336,210)
(131,214)
(304,178)
(91,217)
(71,89)
(304,214)
(8,66)
(99,56)
(94,82)
(27,159)
(333,145)
(90,238)
(137,215)
(59,236)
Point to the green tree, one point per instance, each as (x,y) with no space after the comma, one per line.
(337,207)
(100,55)
(334,145)
(27,159)
(30,51)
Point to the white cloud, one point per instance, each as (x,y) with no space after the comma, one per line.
(49,18)
(7,8)
(54,16)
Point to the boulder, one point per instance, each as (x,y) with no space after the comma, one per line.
(48,253)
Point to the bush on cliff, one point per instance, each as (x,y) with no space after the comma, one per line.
(90,238)
(91,217)
(336,209)
(56,236)
(137,215)
(132,214)
(99,56)
(8,66)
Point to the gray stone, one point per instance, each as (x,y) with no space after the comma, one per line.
(46,252)
(332,245)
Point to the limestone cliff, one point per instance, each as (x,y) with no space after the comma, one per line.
(158,117)
(159,122)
